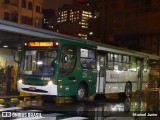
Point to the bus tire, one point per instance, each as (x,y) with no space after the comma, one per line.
(128,90)
(81,93)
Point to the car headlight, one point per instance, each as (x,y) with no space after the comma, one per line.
(50,82)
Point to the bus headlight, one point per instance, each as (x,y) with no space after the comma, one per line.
(20,81)
(50,82)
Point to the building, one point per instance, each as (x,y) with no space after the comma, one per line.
(74,20)
(129,23)
(27,12)
(49,19)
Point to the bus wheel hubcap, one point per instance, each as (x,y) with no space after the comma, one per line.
(81,93)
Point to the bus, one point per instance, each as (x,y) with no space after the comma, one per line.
(70,68)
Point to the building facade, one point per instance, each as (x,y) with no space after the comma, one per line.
(73,20)
(27,12)
(49,20)
(130,23)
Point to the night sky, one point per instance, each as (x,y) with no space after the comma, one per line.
(55,4)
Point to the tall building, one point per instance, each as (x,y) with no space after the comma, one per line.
(129,23)
(49,19)
(22,11)
(74,19)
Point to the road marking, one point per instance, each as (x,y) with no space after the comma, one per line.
(8,109)
(75,118)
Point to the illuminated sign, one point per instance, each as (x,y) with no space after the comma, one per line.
(40,44)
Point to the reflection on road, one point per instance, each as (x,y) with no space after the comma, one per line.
(139,106)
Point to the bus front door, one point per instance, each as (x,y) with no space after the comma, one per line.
(101,71)
(139,74)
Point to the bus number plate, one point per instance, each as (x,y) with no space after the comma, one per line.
(32,88)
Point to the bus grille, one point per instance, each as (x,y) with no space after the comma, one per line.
(37,90)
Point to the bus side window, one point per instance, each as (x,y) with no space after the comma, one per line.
(68,60)
(126,63)
(110,61)
(117,62)
(88,58)
(133,66)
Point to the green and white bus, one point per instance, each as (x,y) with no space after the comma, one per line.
(64,68)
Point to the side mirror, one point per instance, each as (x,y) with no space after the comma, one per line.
(65,58)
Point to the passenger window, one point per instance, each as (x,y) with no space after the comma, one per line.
(68,60)
(133,64)
(117,62)
(110,61)
(126,63)
(88,58)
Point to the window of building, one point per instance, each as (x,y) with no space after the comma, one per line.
(23,19)
(30,5)
(24,4)
(88,58)
(68,60)
(14,17)
(38,22)
(38,9)
(7,1)
(27,20)
(6,16)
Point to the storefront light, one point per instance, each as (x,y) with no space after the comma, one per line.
(5,45)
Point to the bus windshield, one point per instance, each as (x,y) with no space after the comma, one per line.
(39,62)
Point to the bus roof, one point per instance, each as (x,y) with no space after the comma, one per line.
(120,50)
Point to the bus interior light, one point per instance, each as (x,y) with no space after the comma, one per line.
(60,86)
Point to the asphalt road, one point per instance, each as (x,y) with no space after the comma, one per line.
(144,106)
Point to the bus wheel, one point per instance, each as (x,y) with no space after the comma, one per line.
(128,90)
(81,93)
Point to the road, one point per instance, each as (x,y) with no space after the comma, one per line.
(144,106)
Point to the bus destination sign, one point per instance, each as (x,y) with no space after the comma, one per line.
(40,44)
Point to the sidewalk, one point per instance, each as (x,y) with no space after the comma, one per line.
(12,98)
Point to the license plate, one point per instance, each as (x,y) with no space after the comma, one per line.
(32,88)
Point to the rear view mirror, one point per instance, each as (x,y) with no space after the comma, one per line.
(65,58)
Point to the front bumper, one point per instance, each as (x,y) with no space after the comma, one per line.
(42,90)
